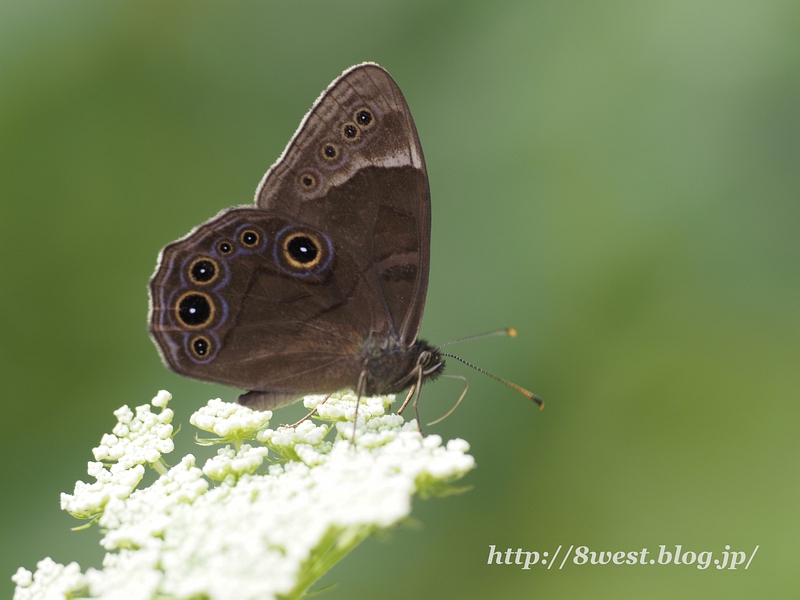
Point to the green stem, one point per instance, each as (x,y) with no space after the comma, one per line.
(160,466)
(333,547)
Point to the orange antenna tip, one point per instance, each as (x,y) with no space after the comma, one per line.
(533,397)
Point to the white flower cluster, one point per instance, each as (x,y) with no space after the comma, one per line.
(249,536)
(51,580)
(231,422)
(135,440)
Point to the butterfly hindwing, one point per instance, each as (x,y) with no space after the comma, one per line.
(233,304)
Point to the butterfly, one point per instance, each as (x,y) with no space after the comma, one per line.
(321,285)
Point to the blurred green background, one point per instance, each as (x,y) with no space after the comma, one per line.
(620,181)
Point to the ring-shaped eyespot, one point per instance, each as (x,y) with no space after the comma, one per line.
(195,310)
(302,252)
(364,118)
(350,132)
(201,347)
(224,247)
(330,151)
(249,238)
(308,181)
(203,271)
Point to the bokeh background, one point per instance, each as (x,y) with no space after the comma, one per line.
(620,181)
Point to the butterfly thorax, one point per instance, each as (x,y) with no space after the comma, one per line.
(392,369)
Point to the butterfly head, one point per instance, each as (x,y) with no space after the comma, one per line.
(429,360)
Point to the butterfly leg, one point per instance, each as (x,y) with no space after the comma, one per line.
(455,406)
(416,400)
(405,402)
(293,425)
(361,380)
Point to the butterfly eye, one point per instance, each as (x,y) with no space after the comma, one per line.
(350,132)
(201,347)
(249,237)
(308,181)
(330,151)
(195,309)
(203,270)
(364,118)
(224,247)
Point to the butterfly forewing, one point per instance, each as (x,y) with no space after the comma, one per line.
(355,168)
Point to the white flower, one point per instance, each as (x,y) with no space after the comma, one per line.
(229,464)
(136,440)
(305,443)
(231,422)
(126,575)
(51,581)
(253,535)
(140,520)
(89,499)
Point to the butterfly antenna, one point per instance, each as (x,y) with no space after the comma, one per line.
(514,386)
(510,331)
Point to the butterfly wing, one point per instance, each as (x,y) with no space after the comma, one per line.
(328,270)
(355,170)
(256,300)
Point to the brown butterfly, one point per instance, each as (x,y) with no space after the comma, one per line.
(321,285)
